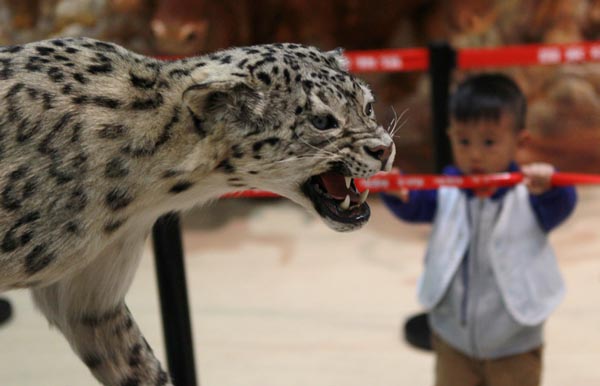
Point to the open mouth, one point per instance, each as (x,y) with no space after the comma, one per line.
(334,196)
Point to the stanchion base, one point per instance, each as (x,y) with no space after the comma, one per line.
(5,311)
(417,332)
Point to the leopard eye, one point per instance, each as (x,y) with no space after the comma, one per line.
(324,122)
(369,109)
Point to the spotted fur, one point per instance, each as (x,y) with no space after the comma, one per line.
(97,142)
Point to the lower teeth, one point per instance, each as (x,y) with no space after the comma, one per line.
(346,203)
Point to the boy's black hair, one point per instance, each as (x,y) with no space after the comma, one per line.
(487,96)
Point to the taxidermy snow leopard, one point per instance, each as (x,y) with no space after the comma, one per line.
(96,142)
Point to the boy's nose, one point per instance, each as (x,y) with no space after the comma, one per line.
(476,154)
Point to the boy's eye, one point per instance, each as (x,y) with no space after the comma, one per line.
(464,142)
(489,142)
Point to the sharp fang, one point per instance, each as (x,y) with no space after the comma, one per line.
(346,203)
(348,181)
(363,196)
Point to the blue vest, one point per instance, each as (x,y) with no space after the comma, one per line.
(523,262)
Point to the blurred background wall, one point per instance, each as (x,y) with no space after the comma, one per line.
(564,114)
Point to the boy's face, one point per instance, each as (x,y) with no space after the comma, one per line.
(484,146)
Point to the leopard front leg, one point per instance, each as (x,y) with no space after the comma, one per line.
(89,309)
(114,349)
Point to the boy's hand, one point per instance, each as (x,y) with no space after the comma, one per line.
(538,177)
(402,193)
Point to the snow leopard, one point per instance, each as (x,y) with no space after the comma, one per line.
(97,142)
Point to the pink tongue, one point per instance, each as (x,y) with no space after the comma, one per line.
(335,184)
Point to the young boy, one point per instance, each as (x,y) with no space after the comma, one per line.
(490,278)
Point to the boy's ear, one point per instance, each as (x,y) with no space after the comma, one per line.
(212,95)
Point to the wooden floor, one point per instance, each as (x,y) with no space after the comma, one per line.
(280,300)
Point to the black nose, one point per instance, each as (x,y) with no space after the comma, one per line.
(381,153)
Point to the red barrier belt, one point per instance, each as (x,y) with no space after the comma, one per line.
(530,54)
(394,60)
(417,59)
(394,181)
(385,60)
(383,182)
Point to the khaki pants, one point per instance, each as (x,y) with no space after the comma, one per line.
(454,368)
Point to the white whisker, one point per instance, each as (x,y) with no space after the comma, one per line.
(317,149)
(393,121)
(295,158)
(333,144)
(396,126)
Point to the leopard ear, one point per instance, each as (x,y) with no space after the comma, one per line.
(210,96)
(340,59)
(201,96)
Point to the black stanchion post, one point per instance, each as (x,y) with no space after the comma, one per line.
(442,61)
(170,271)
(5,311)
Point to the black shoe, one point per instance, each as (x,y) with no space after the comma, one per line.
(417,332)
(5,311)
